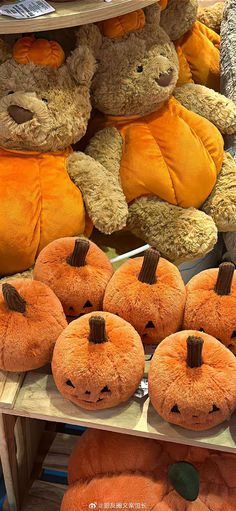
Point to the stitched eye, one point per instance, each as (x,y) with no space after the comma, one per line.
(230,346)
(140,69)
(105,389)
(214,409)
(201,330)
(88,304)
(233,334)
(70,384)
(150,324)
(175,409)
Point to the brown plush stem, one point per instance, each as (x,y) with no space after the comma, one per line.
(97,330)
(194,351)
(13,299)
(78,256)
(148,271)
(224,279)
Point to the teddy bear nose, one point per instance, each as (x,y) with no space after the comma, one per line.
(20,114)
(164,79)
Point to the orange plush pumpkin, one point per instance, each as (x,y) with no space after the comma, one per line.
(192,380)
(77,271)
(211,304)
(149,293)
(39,51)
(98,361)
(31,319)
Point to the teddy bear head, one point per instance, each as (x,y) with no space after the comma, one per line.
(44,98)
(137,66)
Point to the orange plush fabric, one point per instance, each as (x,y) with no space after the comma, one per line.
(31,319)
(199,57)
(211,311)
(50,204)
(154,309)
(98,361)
(38,51)
(121,25)
(154,163)
(197,396)
(131,479)
(78,272)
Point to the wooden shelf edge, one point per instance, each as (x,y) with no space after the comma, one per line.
(71,14)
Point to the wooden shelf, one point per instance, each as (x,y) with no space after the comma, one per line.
(71,14)
(39,398)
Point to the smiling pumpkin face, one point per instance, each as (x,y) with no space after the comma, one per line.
(77,271)
(93,361)
(211,304)
(192,380)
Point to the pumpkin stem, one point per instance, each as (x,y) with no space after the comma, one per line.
(97,330)
(13,299)
(224,279)
(148,271)
(194,351)
(78,256)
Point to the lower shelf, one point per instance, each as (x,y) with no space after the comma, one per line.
(43,495)
(39,398)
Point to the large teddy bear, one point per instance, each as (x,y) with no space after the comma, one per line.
(44,108)
(197,45)
(168,160)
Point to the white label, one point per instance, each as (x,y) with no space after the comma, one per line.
(142,390)
(26,9)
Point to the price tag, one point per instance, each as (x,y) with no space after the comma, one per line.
(26,9)
(142,390)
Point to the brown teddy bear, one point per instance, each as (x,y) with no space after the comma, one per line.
(44,108)
(170,160)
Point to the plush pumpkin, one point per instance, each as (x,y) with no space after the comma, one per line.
(77,271)
(31,319)
(153,475)
(192,380)
(38,51)
(211,304)
(149,293)
(98,361)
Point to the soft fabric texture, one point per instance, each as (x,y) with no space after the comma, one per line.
(98,375)
(79,288)
(111,467)
(196,398)
(155,310)
(27,338)
(209,311)
(38,51)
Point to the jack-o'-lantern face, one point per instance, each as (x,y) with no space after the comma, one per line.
(150,294)
(77,271)
(211,304)
(93,361)
(192,380)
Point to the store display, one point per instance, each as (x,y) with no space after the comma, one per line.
(197,46)
(31,319)
(78,272)
(45,107)
(98,361)
(211,304)
(192,380)
(152,475)
(169,157)
(149,293)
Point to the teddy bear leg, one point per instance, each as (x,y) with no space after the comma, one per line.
(179,234)
(221,204)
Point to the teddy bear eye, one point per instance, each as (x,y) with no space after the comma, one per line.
(214,409)
(70,384)
(175,409)
(45,100)
(140,69)
(10,92)
(233,334)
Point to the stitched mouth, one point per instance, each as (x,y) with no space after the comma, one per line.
(92,402)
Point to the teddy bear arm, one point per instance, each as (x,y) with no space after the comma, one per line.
(221,203)
(178,234)
(103,197)
(218,109)
(106,147)
(211,16)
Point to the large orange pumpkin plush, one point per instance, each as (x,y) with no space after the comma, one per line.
(192,380)
(157,476)
(31,319)
(98,361)
(211,304)
(149,293)
(77,271)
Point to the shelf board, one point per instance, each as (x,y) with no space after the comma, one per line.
(39,398)
(71,14)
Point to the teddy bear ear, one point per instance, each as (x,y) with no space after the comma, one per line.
(82,61)
(153,14)
(5,52)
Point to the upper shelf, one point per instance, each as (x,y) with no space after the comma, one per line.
(71,14)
